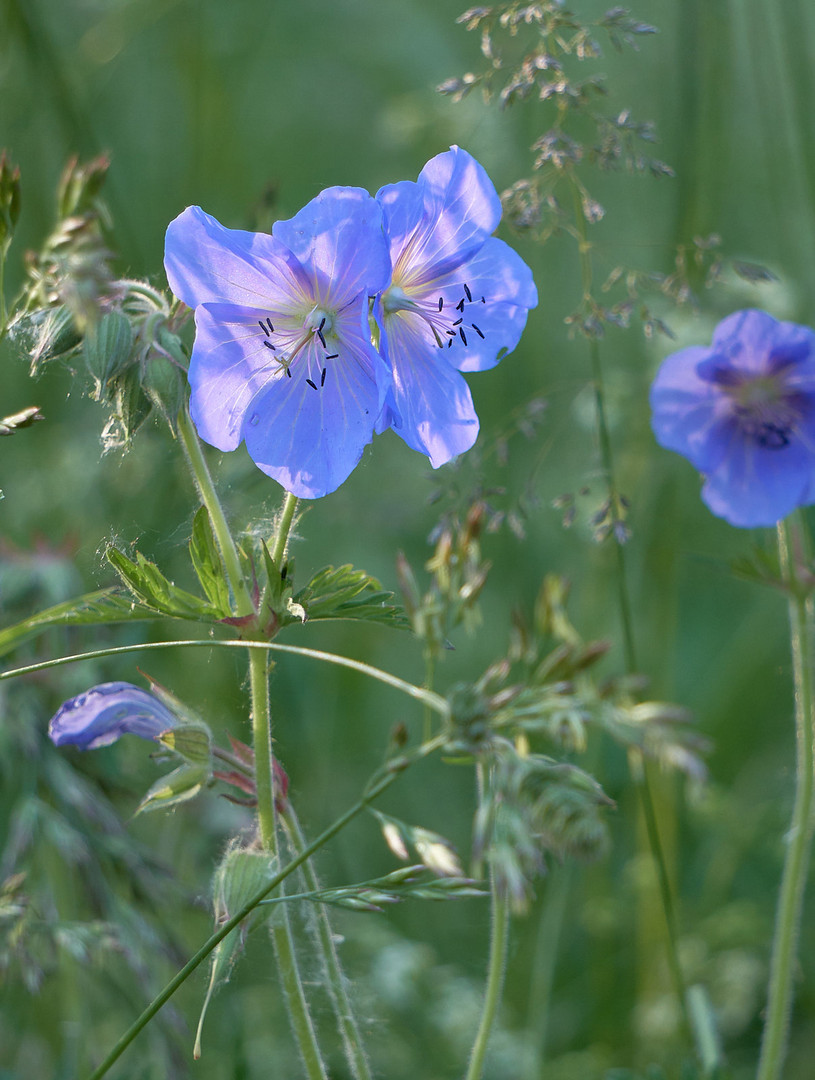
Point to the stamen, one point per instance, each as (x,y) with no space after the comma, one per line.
(450,343)
(333,356)
(441,302)
(288,373)
(476,329)
(263,327)
(320,334)
(483,301)
(461,331)
(452,333)
(460,305)
(322,324)
(458,322)
(468,294)
(322,378)
(269,345)
(772,437)
(269,323)
(314,385)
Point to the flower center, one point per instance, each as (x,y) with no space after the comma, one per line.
(286,342)
(765,410)
(444,315)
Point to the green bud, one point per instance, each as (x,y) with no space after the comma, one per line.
(178,786)
(54,335)
(163,383)
(192,742)
(107,348)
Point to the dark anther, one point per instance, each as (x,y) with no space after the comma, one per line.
(322,378)
(457,322)
(452,333)
(441,302)
(269,324)
(460,305)
(269,345)
(263,327)
(461,331)
(312,384)
(468,294)
(288,373)
(333,356)
(483,301)
(320,336)
(476,329)
(450,342)
(773,437)
(322,324)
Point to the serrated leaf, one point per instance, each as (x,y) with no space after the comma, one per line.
(345,593)
(154,589)
(207,562)
(103,606)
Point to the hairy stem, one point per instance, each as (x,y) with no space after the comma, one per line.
(283,528)
(335,978)
(793,880)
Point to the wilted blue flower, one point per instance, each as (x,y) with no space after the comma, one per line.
(457,301)
(283,358)
(743,412)
(101,715)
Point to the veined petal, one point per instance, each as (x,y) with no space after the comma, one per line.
(751,487)
(105,713)
(686,408)
(339,241)
(228,368)
(502,290)
(430,404)
(460,208)
(757,343)
(310,436)
(207,263)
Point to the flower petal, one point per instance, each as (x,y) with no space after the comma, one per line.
(310,438)
(338,239)
(442,220)
(757,343)
(102,715)
(685,407)
(207,263)
(228,368)
(502,278)
(430,405)
(752,487)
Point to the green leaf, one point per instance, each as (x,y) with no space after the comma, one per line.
(345,593)
(154,589)
(207,562)
(104,606)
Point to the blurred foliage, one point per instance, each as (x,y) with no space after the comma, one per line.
(249,110)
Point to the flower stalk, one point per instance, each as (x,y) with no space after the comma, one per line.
(793,880)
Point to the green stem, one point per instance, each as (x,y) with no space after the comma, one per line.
(378,784)
(262,741)
(289,973)
(790,900)
(499,942)
(209,497)
(335,978)
(283,528)
(418,693)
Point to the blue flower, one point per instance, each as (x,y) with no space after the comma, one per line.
(457,301)
(283,358)
(105,713)
(743,412)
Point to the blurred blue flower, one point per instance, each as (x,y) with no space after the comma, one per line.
(457,301)
(101,715)
(743,412)
(283,358)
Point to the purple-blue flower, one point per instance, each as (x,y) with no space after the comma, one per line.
(743,412)
(283,358)
(102,715)
(457,301)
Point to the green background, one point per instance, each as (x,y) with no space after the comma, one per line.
(249,109)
